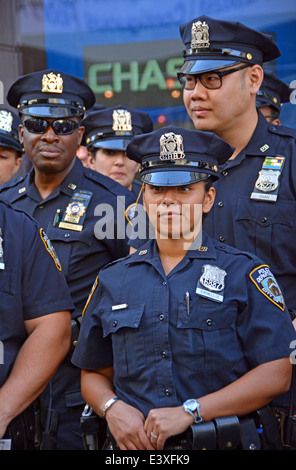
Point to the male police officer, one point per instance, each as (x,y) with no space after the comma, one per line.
(272,95)
(255,202)
(10,147)
(69,201)
(35,323)
(184,330)
(107,134)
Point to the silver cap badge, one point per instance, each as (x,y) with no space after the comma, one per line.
(122,120)
(171,147)
(199,35)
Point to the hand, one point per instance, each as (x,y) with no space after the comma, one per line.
(126,425)
(164,423)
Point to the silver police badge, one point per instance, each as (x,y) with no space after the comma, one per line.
(212,283)
(199,35)
(6,120)
(268,180)
(171,147)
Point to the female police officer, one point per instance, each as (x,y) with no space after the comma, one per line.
(186,329)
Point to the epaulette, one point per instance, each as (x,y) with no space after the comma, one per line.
(108,183)
(12,183)
(283,130)
(234,251)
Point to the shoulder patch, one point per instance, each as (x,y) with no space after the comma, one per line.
(266,283)
(94,286)
(50,249)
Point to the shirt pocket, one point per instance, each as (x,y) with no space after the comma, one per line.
(64,241)
(266,229)
(209,334)
(126,330)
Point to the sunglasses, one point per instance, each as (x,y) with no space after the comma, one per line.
(60,126)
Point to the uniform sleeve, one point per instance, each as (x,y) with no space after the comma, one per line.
(264,324)
(93,350)
(44,289)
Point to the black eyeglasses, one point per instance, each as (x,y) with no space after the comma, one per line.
(210,80)
(60,126)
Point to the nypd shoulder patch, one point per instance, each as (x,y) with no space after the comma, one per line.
(50,249)
(266,283)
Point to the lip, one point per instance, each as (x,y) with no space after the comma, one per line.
(200,111)
(118,174)
(49,152)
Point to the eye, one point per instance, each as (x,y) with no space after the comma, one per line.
(184,188)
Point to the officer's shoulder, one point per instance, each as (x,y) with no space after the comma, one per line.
(107,183)
(232,251)
(13,183)
(128,259)
(283,131)
(15,211)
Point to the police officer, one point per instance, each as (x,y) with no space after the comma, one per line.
(272,95)
(81,210)
(255,196)
(35,323)
(10,147)
(184,330)
(107,134)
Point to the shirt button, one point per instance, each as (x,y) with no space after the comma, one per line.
(209,322)
(161,317)
(225,173)
(264,219)
(220,204)
(67,235)
(41,207)
(164,283)
(167,392)
(222,239)
(114,324)
(164,354)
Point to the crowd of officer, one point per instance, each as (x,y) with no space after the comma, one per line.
(171,347)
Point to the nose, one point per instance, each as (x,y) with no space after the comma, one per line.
(119,161)
(199,90)
(169,196)
(49,135)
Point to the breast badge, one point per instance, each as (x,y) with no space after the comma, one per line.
(212,283)
(267,185)
(266,283)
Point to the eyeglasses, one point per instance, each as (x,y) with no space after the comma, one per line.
(60,126)
(210,80)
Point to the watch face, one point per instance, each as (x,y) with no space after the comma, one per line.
(191,404)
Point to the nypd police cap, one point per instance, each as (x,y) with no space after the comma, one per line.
(173,156)
(273,92)
(213,44)
(51,93)
(9,123)
(113,128)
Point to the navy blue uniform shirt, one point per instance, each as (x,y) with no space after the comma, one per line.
(165,351)
(265,228)
(31,282)
(81,253)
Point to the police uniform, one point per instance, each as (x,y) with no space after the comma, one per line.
(273,92)
(214,317)
(32,285)
(255,196)
(84,236)
(113,128)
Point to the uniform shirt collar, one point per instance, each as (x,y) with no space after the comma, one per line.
(260,142)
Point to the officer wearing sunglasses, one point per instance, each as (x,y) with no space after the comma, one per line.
(63,195)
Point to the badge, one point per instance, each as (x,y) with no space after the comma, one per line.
(265,282)
(171,147)
(267,185)
(50,249)
(52,83)
(212,283)
(74,215)
(2,265)
(199,35)
(6,120)
(122,120)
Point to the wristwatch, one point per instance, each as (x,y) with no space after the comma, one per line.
(190,406)
(108,404)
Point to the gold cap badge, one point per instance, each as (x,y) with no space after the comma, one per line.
(52,83)
(122,120)
(6,120)
(199,35)
(171,147)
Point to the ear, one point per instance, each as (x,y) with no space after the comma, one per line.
(81,130)
(90,161)
(256,76)
(21,134)
(209,200)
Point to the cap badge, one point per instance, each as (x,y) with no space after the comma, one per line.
(6,120)
(122,120)
(171,147)
(52,83)
(199,35)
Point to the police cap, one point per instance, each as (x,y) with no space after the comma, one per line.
(9,123)
(51,93)
(173,156)
(214,44)
(113,128)
(273,92)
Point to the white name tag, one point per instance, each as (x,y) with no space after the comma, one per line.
(119,307)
